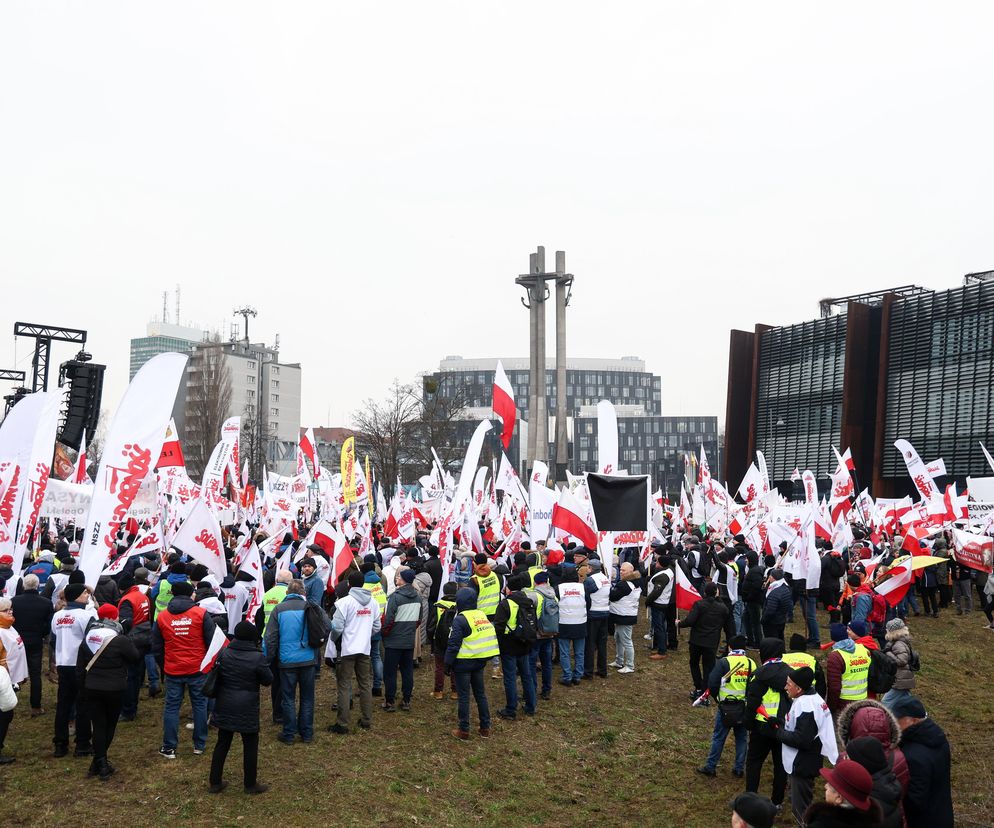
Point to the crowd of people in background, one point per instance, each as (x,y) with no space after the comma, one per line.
(842,693)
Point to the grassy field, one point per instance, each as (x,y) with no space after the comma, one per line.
(615,751)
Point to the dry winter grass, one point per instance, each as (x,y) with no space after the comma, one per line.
(612,752)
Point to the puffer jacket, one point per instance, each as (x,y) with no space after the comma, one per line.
(898,650)
(110,671)
(423,585)
(402,618)
(286,633)
(243,669)
(870,718)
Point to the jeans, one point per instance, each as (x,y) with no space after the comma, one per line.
(175,686)
(572,669)
(811,615)
(595,650)
(152,671)
(472,679)
(376,657)
(753,627)
(891,696)
(511,666)
(718,743)
(360,667)
(738,611)
(964,596)
(250,756)
(68,698)
(930,600)
(290,679)
(392,659)
(33,655)
(659,629)
(624,649)
(910,601)
(542,651)
(104,707)
(701,662)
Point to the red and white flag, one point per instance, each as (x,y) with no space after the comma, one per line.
(683,591)
(133,442)
(79,473)
(218,643)
(504,406)
(200,538)
(172,452)
(897,584)
(845,460)
(568,515)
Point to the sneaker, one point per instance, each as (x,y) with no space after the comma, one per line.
(647,637)
(60,751)
(6,759)
(153,692)
(545,695)
(190,725)
(377,691)
(198,751)
(497,674)
(576,682)
(616,665)
(37,711)
(454,696)
(341,730)
(257,789)
(388,707)
(706,771)
(738,774)
(565,682)
(216,789)
(405,706)
(365,725)
(167,753)
(506,714)
(286,740)
(80,752)
(626,670)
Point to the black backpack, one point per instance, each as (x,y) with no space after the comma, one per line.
(316,624)
(882,673)
(527,630)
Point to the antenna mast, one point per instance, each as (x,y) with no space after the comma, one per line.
(245,312)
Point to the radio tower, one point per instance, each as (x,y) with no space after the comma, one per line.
(245,312)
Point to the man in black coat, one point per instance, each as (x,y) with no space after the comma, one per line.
(433,567)
(779,605)
(33,619)
(766,706)
(707,619)
(928,802)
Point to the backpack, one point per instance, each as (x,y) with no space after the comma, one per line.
(527,630)
(443,628)
(316,625)
(914,663)
(882,673)
(548,621)
(878,612)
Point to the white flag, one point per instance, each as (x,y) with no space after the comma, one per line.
(200,538)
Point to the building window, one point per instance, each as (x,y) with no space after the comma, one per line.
(250,394)
(276,385)
(274,412)
(251,365)
(275,397)
(250,379)
(276,370)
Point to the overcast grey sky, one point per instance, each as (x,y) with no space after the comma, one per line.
(372,176)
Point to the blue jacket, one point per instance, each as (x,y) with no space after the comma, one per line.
(286,634)
(42,569)
(778,604)
(862,606)
(314,589)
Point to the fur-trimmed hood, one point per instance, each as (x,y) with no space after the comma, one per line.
(868,718)
(900,634)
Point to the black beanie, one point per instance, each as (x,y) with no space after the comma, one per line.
(183,589)
(356,580)
(178,568)
(803,677)
(198,572)
(480,559)
(246,631)
(868,752)
(77,577)
(798,643)
(450,588)
(73,591)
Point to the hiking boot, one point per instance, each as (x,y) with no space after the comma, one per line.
(106,770)
(657,657)
(94,768)
(464,734)
(438,695)
(216,789)
(484,733)
(154,691)
(341,730)
(60,751)
(506,714)
(706,771)
(454,696)
(81,752)
(576,682)
(545,695)
(257,789)
(286,740)
(366,725)
(497,674)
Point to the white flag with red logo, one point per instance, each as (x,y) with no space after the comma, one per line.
(684,593)
(200,538)
(974,551)
(568,515)
(35,474)
(917,471)
(218,465)
(253,566)
(310,448)
(218,643)
(504,406)
(133,443)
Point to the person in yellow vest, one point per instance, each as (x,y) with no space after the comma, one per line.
(799,657)
(766,706)
(472,642)
(848,669)
(489,587)
(728,683)
(373,583)
(444,613)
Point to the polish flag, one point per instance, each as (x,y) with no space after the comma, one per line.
(896,586)
(845,460)
(172,452)
(309,446)
(79,474)
(568,514)
(504,404)
(218,643)
(684,591)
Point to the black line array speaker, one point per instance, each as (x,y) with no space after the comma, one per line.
(82,406)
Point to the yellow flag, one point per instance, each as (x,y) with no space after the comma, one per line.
(348,470)
(370,503)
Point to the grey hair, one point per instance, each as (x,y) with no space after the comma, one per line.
(30,581)
(5,604)
(295,587)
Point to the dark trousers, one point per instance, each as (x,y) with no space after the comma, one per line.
(440,674)
(671,632)
(753,627)
(467,680)
(930,599)
(945,595)
(136,677)
(392,659)
(701,659)
(68,698)
(5,720)
(771,630)
(276,694)
(542,652)
(761,746)
(658,615)
(596,644)
(250,756)
(34,655)
(360,667)
(104,708)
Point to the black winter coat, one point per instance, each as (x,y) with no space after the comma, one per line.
(107,591)
(32,617)
(707,619)
(823,815)
(771,675)
(778,604)
(751,591)
(928,802)
(110,671)
(887,792)
(243,669)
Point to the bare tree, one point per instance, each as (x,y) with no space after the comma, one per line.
(208,403)
(383,429)
(257,437)
(95,444)
(440,424)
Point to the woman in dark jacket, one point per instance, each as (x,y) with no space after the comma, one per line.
(243,668)
(102,663)
(887,792)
